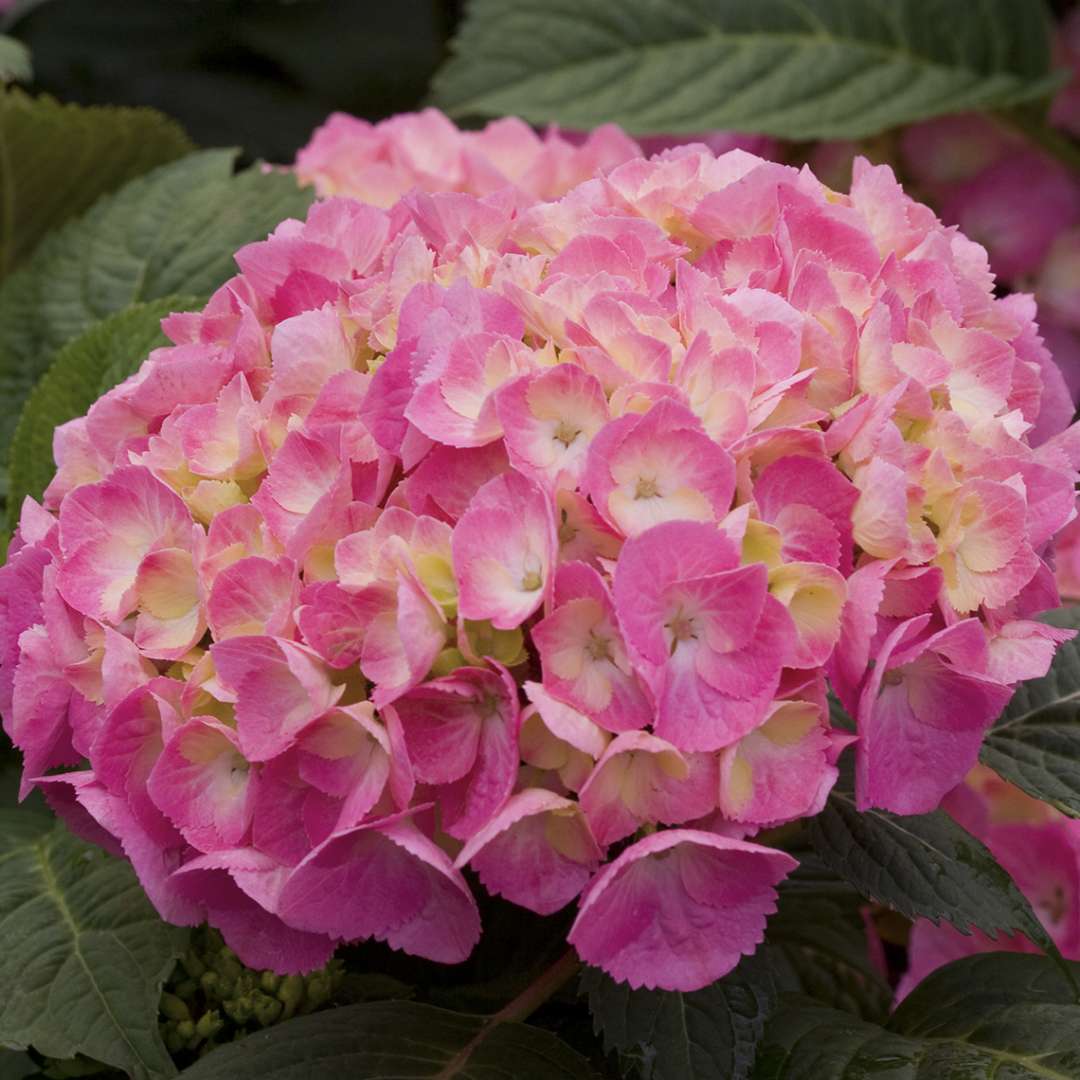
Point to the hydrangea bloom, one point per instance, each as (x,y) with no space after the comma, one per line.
(481,529)
(1040,848)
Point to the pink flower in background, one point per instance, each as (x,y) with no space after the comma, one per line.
(515,511)
(1038,846)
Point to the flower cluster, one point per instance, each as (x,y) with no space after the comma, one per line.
(380,163)
(526,535)
(1039,847)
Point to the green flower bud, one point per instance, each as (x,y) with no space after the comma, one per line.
(211,984)
(185,1029)
(318,991)
(226,964)
(210,1023)
(269,982)
(174,1008)
(192,964)
(290,994)
(246,981)
(187,989)
(267,1009)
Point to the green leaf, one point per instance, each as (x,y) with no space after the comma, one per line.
(14,61)
(85,955)
(83,370)
(1036,742)
(818,943)
(924,866)
(1043,759)
(172,231)
(15,1065)
(801,70)
(1007,1016)
(686,1036)
(56,160)
(395,1040)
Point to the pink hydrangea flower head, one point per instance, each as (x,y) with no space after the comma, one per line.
(514,513)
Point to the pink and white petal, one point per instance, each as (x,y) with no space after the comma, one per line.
(254,596)
(205,785)
(280,688)
(814,596)
(537,852)
(649,563)
(781,770)
(504,551)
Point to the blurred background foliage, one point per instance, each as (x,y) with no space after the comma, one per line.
(260,74)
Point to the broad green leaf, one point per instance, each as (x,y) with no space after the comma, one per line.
(924,866)
(85,955)
(801,70)
(686,1036)
(818,944)
(395,1040)
(997,1016)
(56,160)
(1036,742)
(1041,758)
(83,370)
(172,231)
(14,60)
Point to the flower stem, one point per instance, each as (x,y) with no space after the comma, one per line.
(543,987)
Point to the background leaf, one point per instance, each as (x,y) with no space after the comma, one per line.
(395,1040)
(55,160)
(85,955)
(1007,1016)
(801,70)
(83,370)
(172,231)
(282,68)
(922,866)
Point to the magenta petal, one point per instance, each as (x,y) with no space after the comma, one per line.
(384,880)
(537,851)
(678,909)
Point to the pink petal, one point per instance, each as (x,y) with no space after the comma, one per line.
(537,851)
(678,909)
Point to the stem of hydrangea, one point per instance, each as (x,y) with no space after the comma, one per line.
(543,987)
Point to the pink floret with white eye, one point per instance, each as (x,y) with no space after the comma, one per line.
(515,512)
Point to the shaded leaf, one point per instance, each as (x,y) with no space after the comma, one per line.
(395,1040)
(56,160)
(83,370)
(172,231)
(819,945)
(686,1036)
(924,866)
(1007,1016)
(85,955)
(813,69)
